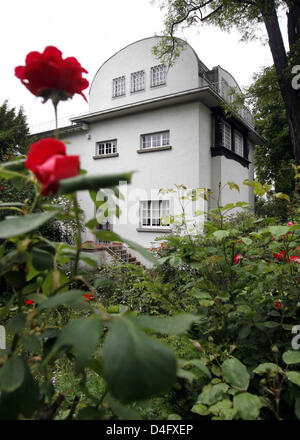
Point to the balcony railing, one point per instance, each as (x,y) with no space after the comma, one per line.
(244,112)
(50,125)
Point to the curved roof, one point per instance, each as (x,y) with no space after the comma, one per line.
(202,66)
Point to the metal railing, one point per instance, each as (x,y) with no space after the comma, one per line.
(244,112)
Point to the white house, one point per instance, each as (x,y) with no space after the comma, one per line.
(169,126)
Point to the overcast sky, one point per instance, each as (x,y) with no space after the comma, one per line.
(92,31)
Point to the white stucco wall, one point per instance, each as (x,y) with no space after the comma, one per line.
(135,57)
(227,170)
(188,162)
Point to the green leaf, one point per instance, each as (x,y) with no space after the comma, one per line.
(48,284)
(31,343)
(220,235)
(173,325)
(174,417)
(271,324)
(14,165)
(12,374)
(136,366)
(257,187)
(248,405)
(123,412)
(212,394)
(41,260)
(206,303)
(188,375)
(294,376)
(282,196)
(82,335)
(278,231)
(233,185)
(88,182)
(198,363)
(291,357)
(16,324)
(235,373)
(15,226)
(23,400)
(247,241)
(223,410)
(200,409)
(72,297)
(90,259)
(244,332)
(267,367)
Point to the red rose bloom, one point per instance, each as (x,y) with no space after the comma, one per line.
(295,259)
(28,302)
(88,296)
(237,258)
(47,159)
(49,76)
(281,256)
(278,305)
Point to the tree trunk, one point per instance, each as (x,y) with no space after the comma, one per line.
(291,97)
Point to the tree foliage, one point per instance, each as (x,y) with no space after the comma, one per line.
(14,132)
(273,159)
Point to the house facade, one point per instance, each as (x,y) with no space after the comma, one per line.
(168,125)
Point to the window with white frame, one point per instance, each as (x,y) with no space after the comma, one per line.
(158,75)
(238,143)
(106,147)
(155,140)
(119,86)
(153,211)
(226,135)
(138,81)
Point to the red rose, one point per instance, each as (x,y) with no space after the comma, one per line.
(295,259)
(278,305)
(237,258)
(47,159)
(281,256)
(88,296)
(49,76)
(28,302)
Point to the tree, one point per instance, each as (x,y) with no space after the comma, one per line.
(245,15)
(14,140)
(14,132)
(273,159)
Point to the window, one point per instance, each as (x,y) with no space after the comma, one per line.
(155,140)
(238,143)
(119,86)
(107,147)
(158,75)
(137,81)
(152,212)
(226,135)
